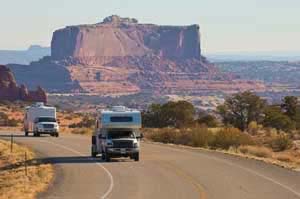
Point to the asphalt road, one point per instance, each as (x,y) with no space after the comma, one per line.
(163,172)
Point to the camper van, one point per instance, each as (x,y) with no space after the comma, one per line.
(40,119)
(117,134)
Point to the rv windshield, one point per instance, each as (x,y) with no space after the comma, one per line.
(120,134)
(45,119)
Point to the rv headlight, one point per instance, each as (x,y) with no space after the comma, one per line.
(109,143)
(135,145)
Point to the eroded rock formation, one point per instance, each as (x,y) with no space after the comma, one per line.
(9,90)
(124,37)
(120,55)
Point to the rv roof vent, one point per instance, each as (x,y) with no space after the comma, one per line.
(39,104)
(119,108)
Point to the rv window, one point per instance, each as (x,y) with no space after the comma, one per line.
(45,119)
(121,119)
(120,134)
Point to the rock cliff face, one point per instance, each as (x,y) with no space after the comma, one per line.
(124,37)
(9,89)
(119,55)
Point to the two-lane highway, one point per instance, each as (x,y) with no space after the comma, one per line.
(163,172)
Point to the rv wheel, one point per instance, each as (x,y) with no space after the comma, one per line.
(107,157)
(94,154)
(103,156)
(137,157)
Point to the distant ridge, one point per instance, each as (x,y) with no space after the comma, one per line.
(33,53)
(254,56)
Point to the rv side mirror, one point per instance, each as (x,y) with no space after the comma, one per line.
(97,124)
(100,136)
(141,136)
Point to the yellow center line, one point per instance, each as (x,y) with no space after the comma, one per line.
(179,172)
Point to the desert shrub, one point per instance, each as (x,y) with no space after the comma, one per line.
(5,121)
(5,103)
(171,114)
(201,137)
(15,109)
(231,137)
(275,118)
(87,122)
(209,120)
(82,131)
(12,123)
(271,132)
(68,117)
(166,135)
(281,143)
(242,108)
(197,137)
(258,151)
(253,128)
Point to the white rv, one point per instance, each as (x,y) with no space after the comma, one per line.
(117,134)
(41,119)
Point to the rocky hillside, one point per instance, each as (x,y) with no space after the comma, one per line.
(120,55)
(9,90)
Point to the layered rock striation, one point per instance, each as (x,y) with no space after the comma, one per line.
(125,37)
(120,55)
(9,90)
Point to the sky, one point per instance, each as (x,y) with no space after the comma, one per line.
(225,25)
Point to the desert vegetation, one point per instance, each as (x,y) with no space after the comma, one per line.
(15,182)
(245,124)
(12,114)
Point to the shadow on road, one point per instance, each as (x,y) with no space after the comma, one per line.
(70,160)
(21,136)
(60,160)
(78,160)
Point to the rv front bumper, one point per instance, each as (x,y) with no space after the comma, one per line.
(122,151)
(44,130)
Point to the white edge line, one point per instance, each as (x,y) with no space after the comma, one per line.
(98,164)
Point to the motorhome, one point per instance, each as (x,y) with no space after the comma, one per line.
(40,119)
(117,134)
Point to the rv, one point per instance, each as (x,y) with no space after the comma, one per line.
(40,119)
(117,134)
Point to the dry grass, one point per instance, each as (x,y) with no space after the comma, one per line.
(14,184)
(10,129)
(258,151)
(285,157)
(66,119)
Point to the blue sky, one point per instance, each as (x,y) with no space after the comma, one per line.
(226,26)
